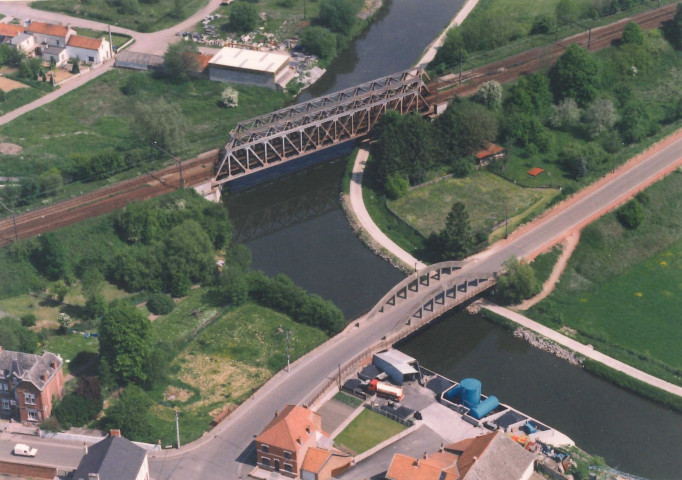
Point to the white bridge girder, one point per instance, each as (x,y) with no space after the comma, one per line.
(301,129)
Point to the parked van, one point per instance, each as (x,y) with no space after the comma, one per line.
(24,450)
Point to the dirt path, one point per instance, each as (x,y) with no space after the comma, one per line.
(569,244)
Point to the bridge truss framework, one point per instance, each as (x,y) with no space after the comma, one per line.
(301,129)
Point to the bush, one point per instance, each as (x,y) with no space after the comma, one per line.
(631,215)
(319,41)
(518,282)
(396,186)
(136,83)
(28,320)
(160,304)
(76,410)
(230,97)
(543,23)
(243,17)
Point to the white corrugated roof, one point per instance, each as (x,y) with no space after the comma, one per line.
(249,59)
(399,360)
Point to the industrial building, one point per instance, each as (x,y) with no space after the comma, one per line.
(251,67)
(397,365)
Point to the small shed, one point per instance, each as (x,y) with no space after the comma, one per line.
(396,364)
(58,54)
(138,61)
(491,152)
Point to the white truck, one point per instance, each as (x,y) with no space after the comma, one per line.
(24,450)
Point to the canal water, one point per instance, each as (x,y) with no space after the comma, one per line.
(294,225)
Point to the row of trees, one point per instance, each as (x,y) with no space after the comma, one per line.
(332,29)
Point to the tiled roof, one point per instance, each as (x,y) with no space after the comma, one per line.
(500,457)
(315,459)
(9,30)
(114,458)
(85,42)
(491,150)
(404,467)
(474,451)
(48,29)
(288,426)
(29,367)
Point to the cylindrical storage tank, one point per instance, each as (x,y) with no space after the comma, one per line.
(452,393)
(485,407)
(471,392)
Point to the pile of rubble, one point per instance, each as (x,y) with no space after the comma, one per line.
(547,346)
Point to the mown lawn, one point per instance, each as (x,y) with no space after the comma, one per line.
(149,17)
(622,289)
(489,200)
(367,430)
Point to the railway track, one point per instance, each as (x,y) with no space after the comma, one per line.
(533,60)
(200,169)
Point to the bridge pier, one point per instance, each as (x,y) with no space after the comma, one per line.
(209,191)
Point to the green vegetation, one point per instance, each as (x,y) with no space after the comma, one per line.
(107,140)
(485,195)
(620,289)
(160,304)
(367,430)
(544,264)
(139,15)
(497,29)
(348,399)
(517,283)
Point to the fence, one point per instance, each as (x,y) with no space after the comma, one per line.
(408,422)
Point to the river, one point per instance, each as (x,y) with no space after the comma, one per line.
(293,225)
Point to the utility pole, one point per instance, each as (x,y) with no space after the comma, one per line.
(288,357)
(460,66)
(506,217)
(339,378)
(111,44)
(177,426)
(177,160)
(14,220)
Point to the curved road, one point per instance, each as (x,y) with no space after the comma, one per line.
(218,455)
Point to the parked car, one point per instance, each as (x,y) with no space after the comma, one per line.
(24,450)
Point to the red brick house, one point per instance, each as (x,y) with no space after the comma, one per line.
(294,445)
(29,385)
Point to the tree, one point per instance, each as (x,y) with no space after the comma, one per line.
(161,122)
(633,34)
(489,94)
(674,30)
(81,406)
(59,290)
(95,306)
(160,304)
(50,182)
(64,321)
(180,60)
(16,337)
(518,282)
(565,115)
(575,75)
(75,68)
(230,97)
(319,41)
(339,15)
(396,186)
(126,341)
(187,257)
(138,222)
(28,320)
(631,215)
(599,117)
(50,257)
(243,17)
(452,52)
(234,286)
(457,238)
(543,23)
(130,414)
(31,67)
(566,10)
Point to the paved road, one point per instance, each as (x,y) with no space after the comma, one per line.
(216,456)
(52,453)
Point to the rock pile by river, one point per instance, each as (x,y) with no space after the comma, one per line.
(547,346)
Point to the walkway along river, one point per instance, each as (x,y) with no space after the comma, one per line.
(319,251)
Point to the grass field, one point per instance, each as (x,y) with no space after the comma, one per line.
(544,263)
(225,362)
(485,195)
(367,430)
(149,17)
(622,288)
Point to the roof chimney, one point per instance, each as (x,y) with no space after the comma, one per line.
(416,463)
(299,440)
(114,432)
(442,447)
(475,458)
(43,376)
(425,456)
(53,365)
(276,413)
(307,429)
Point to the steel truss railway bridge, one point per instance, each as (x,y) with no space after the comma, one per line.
(301,129)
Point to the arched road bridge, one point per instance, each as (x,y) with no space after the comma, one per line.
(301,129)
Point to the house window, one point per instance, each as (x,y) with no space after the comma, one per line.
(91,59)
(5,404)
(264,448)
(29,399)
(4,387)
(265,461)
(32,415)
(287,455)
(288,467)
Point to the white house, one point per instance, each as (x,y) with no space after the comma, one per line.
(23,42)
(49,34)
(90,50)
(58,54)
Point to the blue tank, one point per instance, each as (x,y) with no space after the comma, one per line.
(453,393)
(485,407)
(471,392)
